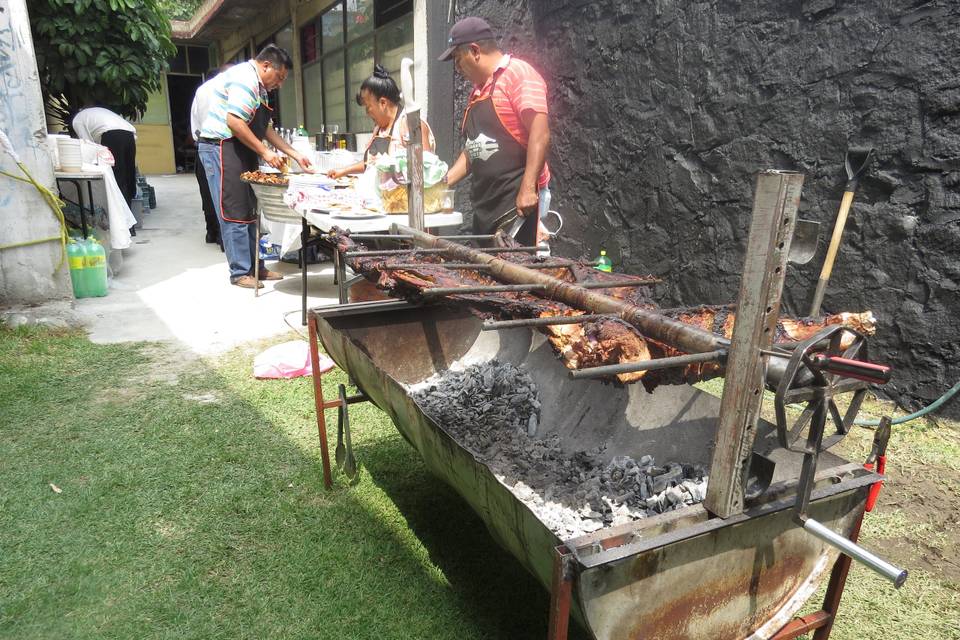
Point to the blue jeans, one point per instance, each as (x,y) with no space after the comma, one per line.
(239,239)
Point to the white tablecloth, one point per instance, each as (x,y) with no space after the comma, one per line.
(288,235)
(118,213)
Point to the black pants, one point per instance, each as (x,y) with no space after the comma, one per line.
(209,212)
(123,146)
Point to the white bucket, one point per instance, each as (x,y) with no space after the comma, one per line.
(68,150)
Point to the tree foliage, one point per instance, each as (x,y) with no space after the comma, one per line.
(180,9)
(107,52)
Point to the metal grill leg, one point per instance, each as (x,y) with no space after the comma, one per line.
(821,622)
(318,402)
(560,594)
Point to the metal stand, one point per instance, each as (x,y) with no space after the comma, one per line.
(561,592)
(80,204)
(822,621)
(321,405)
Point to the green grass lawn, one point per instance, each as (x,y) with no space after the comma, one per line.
(147,496)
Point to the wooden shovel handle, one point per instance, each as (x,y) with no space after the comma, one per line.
(845,204)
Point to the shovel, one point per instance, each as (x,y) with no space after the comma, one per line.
(804,244)
(344,452)
(853,180)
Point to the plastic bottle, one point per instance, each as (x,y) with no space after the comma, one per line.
(96,268)
(302,131)
(603,262)
(75,258)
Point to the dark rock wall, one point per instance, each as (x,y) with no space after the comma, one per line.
(662,111)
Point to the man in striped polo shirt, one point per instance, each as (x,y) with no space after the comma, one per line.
(506,130)
(231,142)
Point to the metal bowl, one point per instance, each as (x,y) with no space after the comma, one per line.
(271,204)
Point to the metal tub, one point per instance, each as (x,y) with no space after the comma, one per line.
(677,575)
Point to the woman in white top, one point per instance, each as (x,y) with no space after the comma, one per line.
(380,96)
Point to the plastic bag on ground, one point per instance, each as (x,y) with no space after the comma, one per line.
(288,360)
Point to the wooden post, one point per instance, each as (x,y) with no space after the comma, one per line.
(775,206)
(415,171)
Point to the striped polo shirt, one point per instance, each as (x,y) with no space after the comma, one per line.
(238,91)
(519,87)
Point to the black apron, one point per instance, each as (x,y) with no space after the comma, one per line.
(237,202)
(380,143)
(497,164)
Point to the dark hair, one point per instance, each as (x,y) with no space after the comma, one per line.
(275,57)
(380,85)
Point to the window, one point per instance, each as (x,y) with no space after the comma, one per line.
(338,50)
(190,60)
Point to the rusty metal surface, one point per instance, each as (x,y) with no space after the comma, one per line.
(722,584)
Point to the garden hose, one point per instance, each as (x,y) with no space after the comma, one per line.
(54,202)
(936,404)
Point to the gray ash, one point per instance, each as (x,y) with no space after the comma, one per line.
(493,410)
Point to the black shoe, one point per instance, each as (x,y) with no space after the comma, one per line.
(212,239)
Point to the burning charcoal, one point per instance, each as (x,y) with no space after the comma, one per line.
(493,410)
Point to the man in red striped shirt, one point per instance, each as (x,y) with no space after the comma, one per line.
(506,130)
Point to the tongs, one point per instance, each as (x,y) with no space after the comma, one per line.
(510,223)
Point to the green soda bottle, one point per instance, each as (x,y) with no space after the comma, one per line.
(603,262)
(75,258)
(96,269)
(301,131)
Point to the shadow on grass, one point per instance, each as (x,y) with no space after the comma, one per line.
(501,597)
(183,508)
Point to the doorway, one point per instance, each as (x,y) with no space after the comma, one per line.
(181,89)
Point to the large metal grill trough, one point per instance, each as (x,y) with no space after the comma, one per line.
(681,574)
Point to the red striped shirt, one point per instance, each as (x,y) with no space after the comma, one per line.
(519,88)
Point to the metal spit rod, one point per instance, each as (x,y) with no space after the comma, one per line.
(494,325)
(673,332)
(482,267)
(519,288)
(649,365)
(390,236)
(395,252)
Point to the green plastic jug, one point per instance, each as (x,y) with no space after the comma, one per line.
(76,251)
(95,263)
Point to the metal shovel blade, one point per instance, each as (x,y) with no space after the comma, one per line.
(804,244)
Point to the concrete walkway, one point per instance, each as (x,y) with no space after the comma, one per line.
(173,286)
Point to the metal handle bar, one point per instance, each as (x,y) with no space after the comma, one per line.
(849,368)
(894,574)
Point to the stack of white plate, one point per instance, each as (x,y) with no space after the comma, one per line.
(68,150)
(303,181)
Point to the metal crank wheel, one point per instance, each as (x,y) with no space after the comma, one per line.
(830,363)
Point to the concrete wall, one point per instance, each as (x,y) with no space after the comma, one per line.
(26,274)
(663,110)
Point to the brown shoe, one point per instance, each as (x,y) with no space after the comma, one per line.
(266,274)
(247,282)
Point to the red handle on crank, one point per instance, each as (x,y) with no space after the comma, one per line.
(858,369)
(874,493)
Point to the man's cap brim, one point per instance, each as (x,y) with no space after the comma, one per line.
(448,54)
